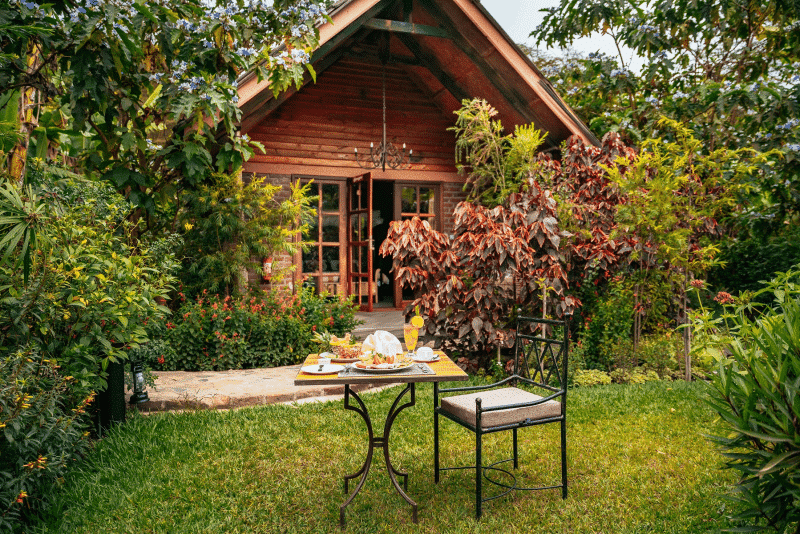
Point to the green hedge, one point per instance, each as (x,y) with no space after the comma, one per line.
(268,330)
(40,434)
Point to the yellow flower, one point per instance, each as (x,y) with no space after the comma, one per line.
(188,226)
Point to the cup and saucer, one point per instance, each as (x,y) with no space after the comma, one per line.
(426,355)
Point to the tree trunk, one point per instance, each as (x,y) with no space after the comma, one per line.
(28,117)
(687,356)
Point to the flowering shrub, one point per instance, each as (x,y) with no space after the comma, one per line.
(39,434)
(269,330)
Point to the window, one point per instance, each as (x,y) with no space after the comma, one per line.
(419,201)
(323,262)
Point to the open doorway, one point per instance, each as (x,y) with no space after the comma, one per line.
(382,215)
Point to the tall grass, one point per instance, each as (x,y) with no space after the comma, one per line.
(638,462)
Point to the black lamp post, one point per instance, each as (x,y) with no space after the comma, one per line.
(139,394)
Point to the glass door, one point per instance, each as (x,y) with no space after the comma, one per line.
(323,264)
(359,241)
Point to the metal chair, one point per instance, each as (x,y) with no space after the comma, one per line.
(539,362)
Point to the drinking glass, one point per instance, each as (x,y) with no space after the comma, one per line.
(410,336)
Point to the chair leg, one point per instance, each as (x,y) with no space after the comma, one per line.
(516,453)
(478,476)
(563,459)
(436,447)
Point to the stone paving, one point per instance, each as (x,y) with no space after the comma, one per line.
(182,390)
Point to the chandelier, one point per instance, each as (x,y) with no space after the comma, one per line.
(386,153)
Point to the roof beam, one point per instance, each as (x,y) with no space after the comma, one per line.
(350,30)
(397,26)
(498,80)
(430,62)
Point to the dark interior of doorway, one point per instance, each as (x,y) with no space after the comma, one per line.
(382,214)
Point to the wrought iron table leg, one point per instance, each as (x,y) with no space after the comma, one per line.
(379,441)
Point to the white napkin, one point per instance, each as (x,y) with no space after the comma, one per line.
(382,342)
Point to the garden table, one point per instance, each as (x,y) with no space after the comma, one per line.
(443,370)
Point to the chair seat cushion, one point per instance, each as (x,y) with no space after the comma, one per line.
(463,407)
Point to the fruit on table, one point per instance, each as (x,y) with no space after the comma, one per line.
(338,341)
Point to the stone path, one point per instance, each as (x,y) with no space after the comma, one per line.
(182,390)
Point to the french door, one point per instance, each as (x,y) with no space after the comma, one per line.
(359,241)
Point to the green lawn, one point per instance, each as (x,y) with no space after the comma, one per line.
(638,462)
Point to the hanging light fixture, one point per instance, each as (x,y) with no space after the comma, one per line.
(386,152)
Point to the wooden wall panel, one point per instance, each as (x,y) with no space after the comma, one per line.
(325,121)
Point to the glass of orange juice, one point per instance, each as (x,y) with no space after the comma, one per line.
(411,336)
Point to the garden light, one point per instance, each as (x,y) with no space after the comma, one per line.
(139,394)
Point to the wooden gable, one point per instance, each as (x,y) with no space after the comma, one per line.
(436,53)
(323,123)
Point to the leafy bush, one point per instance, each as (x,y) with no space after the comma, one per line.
(658,353)
(610,325)
(90,289)
(230,224)
(637,375)
(591,377)
(746,264)
(40,434)
(755,390)
(470,286)
(273,329)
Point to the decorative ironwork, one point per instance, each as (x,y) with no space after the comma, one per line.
(386,152)
(378,442)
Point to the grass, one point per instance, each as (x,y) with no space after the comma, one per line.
(638,462)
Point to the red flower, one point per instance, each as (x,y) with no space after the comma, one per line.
(214,316)
(314,328)
(170,326)
(699,284)
(161,359)
(724,298)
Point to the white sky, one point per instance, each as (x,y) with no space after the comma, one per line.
(519,18)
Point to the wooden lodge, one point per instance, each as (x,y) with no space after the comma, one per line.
(394,70)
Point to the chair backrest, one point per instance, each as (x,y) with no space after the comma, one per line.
(539,358)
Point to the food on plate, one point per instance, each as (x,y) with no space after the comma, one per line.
(347,352)
(379,362)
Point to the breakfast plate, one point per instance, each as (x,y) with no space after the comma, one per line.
(383,367)
(327,369)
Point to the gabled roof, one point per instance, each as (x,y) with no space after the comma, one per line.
(452,48)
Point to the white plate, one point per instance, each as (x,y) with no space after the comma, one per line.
(426,359)
(386,370)
(322,370)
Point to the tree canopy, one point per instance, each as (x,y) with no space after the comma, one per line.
(727,69)
(144,94)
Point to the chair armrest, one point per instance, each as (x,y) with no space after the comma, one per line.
(518,405)
(478,388)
